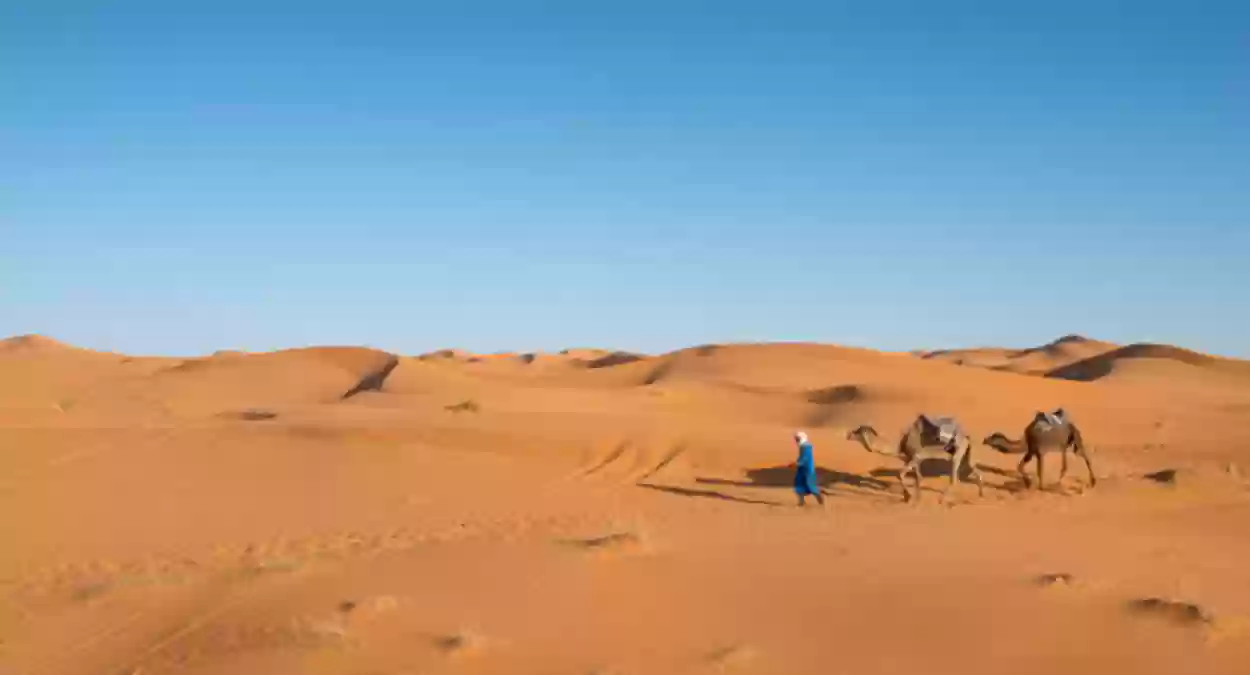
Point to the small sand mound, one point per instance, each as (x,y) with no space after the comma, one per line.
(252,415)
(188,365)
(89,592)
(445,355)
(1183,613)
(615,543)
(461,643)
(1163,477)
(845,393)
(618,540)
(368,609)
(469,406)
(732,656)
(1055,580)
(1071,338)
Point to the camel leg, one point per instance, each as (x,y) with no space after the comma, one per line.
(914,467)
(1063,468)
(1088,465)
(1041,477)
(976,474)
(956,461)
(1024,475)
(902,481)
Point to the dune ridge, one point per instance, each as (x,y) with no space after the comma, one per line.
(1039,360)
(1107,363)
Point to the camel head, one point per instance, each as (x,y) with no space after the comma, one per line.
(998,441)
(861,432)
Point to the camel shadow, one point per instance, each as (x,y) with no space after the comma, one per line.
(993,470)
(783,477)
(1014,482)
(929,468)
(938,467)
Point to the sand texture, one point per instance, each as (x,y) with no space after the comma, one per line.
(346,511)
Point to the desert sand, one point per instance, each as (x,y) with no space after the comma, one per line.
(341,510)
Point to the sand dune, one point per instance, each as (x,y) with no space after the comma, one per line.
(1170,362)
(343,510)
(32,343)
(1032,361)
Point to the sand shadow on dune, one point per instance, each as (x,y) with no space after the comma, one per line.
(783,477)
(373,380)
(705,494)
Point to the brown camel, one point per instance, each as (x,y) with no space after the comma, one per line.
(1041,436)
(925,439)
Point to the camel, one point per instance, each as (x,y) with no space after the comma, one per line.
(1044,434)
(925,439)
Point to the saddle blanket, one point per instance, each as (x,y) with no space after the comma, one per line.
(1054,419)
(947,428)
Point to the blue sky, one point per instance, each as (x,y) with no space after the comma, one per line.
(642,175)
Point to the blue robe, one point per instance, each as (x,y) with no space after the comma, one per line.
(805,472)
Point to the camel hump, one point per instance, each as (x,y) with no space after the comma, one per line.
(1054,418)
(943,428)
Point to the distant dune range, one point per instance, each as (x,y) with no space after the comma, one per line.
(1170,361)
(756,386)
(1031,361)
(1083,360)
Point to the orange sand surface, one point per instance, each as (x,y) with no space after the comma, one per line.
(342,510)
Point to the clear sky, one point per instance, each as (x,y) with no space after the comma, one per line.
(179,177)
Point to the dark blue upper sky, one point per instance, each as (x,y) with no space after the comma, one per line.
(645,175)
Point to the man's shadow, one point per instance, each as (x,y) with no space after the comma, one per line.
(783,477)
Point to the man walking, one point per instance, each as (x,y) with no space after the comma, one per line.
(805,482)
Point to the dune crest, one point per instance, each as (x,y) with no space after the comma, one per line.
(33,342)
(1039,360)
(1108,364)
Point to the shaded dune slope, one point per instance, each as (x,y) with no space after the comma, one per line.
(1038,360)
(1172,359)
(80,381)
